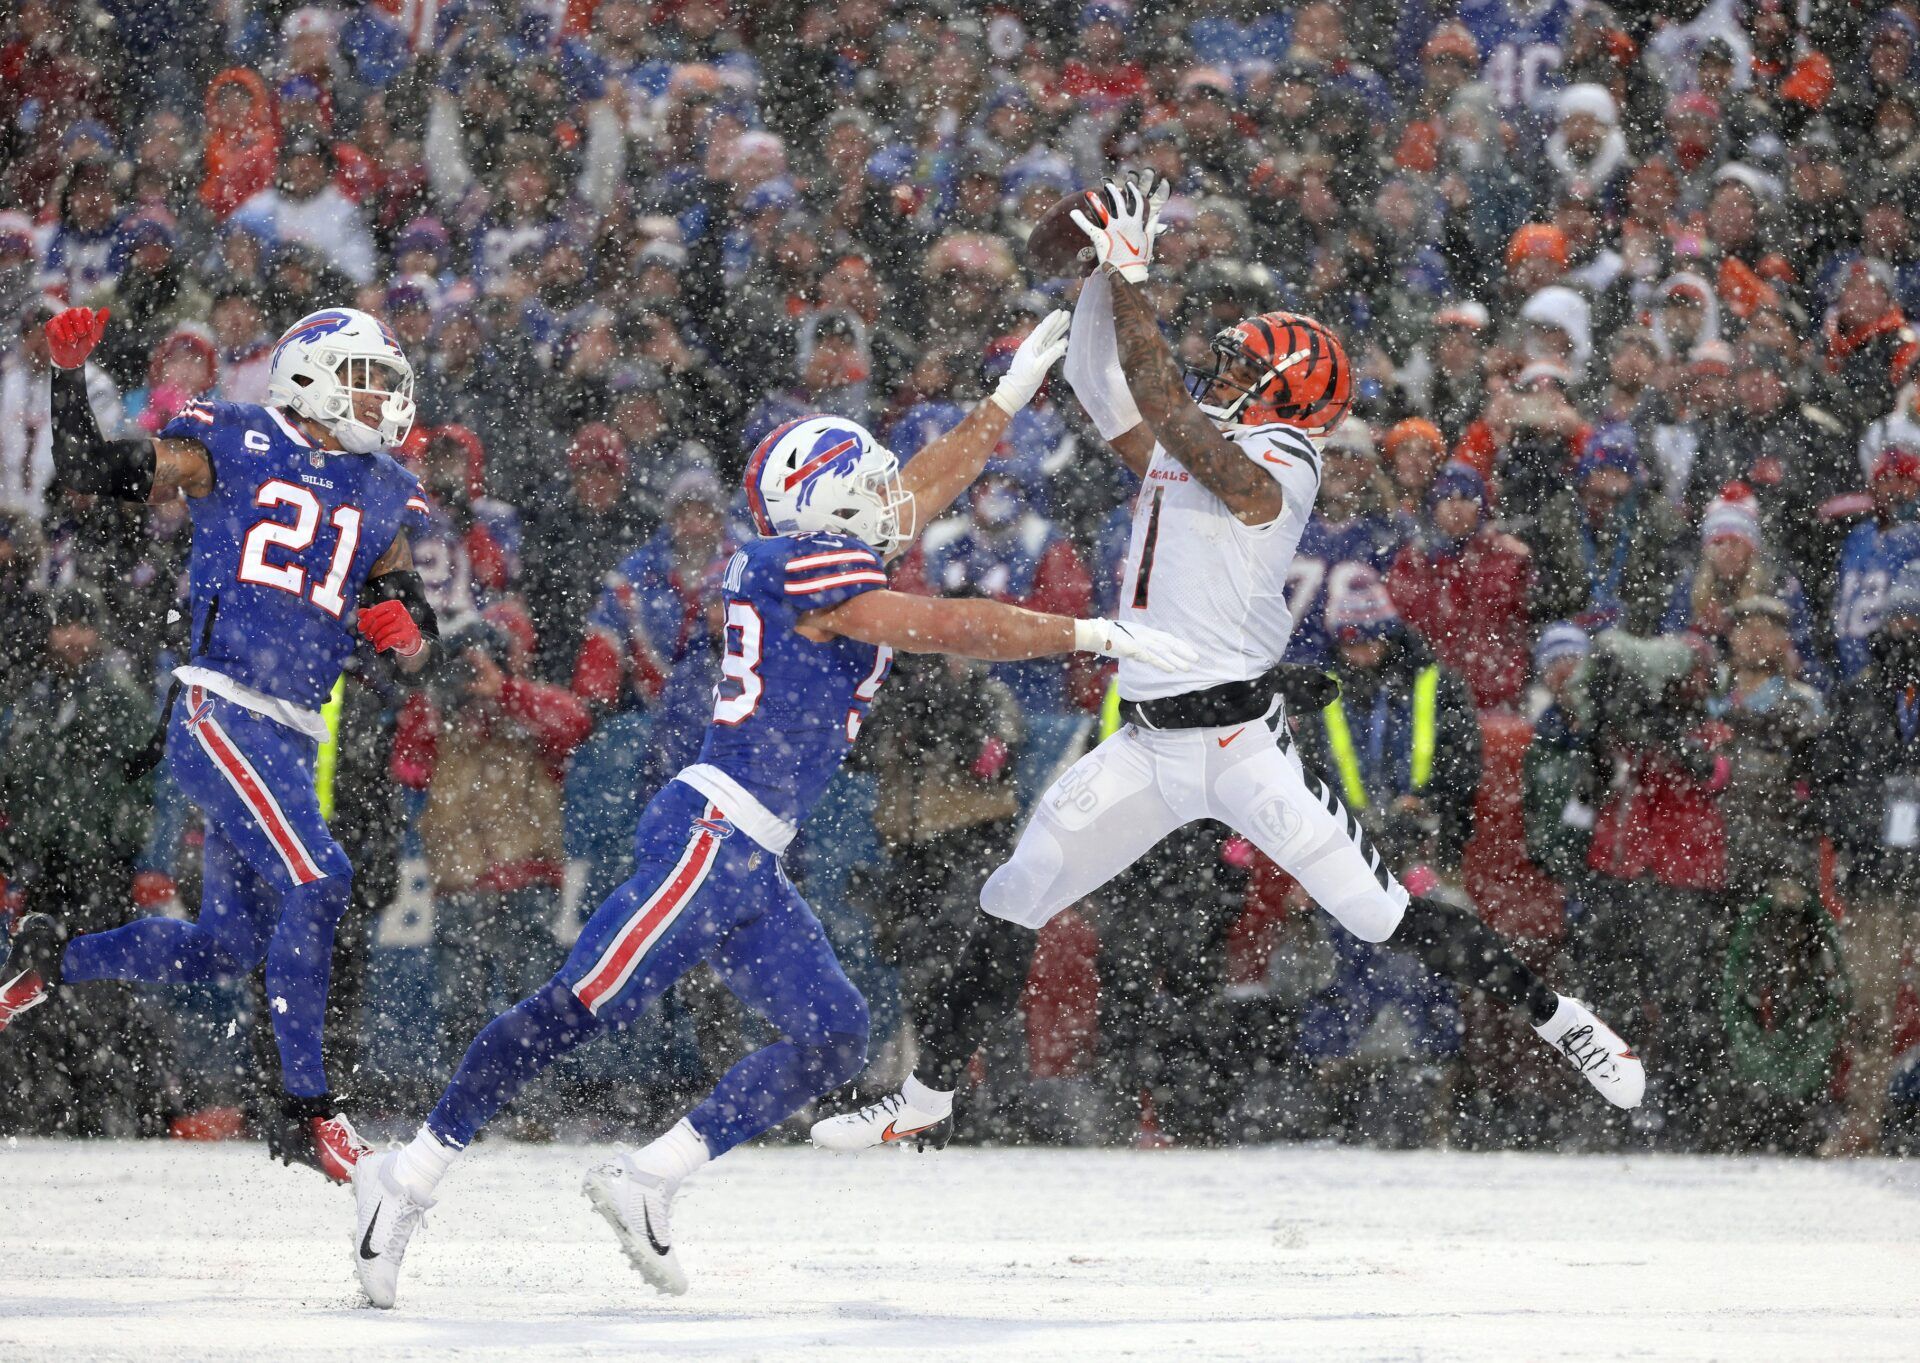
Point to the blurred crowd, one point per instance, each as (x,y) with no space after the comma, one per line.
(1617,557)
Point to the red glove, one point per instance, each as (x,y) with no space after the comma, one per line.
(73,334)
(389,627)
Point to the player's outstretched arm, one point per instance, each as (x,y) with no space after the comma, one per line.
(1093,372)
(85,461)
(394,613)
(991,631)
(1123,241)
(1186,432)
(949,465)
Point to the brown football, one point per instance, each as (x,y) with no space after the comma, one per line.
(1057,246)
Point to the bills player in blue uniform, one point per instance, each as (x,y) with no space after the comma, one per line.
(810,632)
(297,540)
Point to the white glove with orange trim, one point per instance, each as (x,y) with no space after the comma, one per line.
(1123,239)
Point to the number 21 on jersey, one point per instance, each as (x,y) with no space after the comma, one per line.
(256,568)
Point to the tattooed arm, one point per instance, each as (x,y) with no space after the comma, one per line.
(1177,422)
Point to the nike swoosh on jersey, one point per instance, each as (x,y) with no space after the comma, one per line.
(1230,737)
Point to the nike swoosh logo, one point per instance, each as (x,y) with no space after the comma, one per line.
(1273,458)
(646,1221)
(1230,737)
(367,1251)
(891,1135)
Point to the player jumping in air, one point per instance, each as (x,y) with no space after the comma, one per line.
(810,633)
(1229,464)
(297,541)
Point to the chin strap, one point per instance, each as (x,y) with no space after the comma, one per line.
(85,461)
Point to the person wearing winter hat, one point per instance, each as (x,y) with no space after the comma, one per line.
(1587,151)
(1466,586)
(1602,549)
(1735,566)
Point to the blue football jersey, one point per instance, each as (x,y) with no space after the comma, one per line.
(281,547)
(1327,552)
(787,709)
(1522,43)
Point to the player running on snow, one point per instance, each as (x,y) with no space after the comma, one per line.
(1229,465)
(297,540)
(810,633)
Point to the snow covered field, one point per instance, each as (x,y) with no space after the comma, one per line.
(174,1251)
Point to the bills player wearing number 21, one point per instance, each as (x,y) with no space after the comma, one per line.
(297,541)
(810,632)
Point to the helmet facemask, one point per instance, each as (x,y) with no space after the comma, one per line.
(337,409)
(884,514)
(1241,375)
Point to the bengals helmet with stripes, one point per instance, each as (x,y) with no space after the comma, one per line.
(1277,367)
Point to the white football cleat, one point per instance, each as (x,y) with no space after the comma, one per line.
(891,1121)
(1597,1051)
(385,1218)
(639,1207)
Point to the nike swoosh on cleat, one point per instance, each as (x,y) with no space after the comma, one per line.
(891,1135)
(1230,737)
(646,1221)
(367,1251)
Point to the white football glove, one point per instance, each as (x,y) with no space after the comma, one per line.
(1156,648)
(1123,241)
(1044,345)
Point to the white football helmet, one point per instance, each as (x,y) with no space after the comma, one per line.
(325,358)
(828,475)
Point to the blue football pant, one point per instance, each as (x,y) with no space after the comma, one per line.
(274,881)
(701,891)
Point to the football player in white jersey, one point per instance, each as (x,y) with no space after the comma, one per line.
(1229,460)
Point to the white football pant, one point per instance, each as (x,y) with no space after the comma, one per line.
(1130,792)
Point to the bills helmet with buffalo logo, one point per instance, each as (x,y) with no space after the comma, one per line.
(828,475)
(1278,367)
(327,357)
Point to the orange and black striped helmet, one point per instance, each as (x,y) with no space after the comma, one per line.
(1299,374)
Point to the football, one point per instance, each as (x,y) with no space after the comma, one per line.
(1056,245)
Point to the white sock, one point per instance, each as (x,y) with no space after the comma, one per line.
(676,1154)
(931,1101)
(422,1163)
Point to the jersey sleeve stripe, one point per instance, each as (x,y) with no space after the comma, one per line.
(416,504)
(798,565)
(821,584)
(198,413)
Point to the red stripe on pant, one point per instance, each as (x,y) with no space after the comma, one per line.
(240,775)
(618,961)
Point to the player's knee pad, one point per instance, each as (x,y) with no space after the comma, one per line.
(1021,890)
(1370,913)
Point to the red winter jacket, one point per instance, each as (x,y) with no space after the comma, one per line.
(1471,607)
(1665,824)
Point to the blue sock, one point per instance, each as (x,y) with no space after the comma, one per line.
(153,951)
(769,1086)
(510,1050)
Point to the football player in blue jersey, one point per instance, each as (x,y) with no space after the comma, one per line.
(810,632)
(297,541)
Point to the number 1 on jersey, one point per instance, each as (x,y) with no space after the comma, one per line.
(1138,597)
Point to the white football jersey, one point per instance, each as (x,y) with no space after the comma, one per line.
(1199,573)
